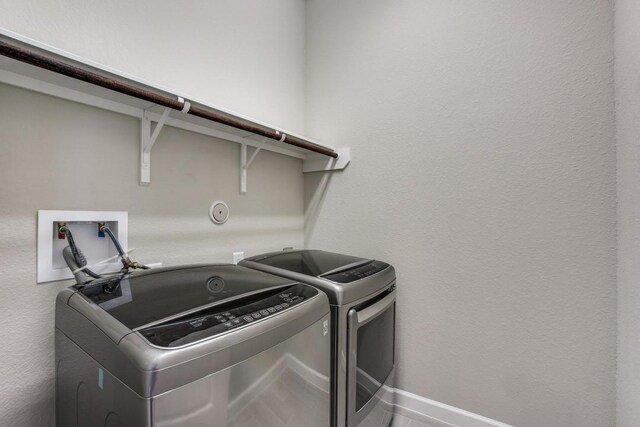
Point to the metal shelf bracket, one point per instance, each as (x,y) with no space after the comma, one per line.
(244,163)
(148,139)
(324,164)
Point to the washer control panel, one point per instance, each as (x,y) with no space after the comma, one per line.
(223,318)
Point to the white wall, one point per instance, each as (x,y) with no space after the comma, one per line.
(56,154)
(244,56)
(628,149)
(484,169)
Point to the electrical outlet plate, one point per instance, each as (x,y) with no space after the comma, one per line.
(238,256)
(154,265)
(83,225)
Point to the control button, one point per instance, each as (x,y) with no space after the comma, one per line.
(219,317)
(256,315)
(278,307)
(235,321)
(264,312)
(248,318)
(196,323)
(271,310)
(231,316)
(294,299)
(285,305)
(226,314)
(228,324)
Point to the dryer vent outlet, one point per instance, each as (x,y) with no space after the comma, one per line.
(219,212)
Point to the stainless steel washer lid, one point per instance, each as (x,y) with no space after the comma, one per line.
(344,278)
(151,296)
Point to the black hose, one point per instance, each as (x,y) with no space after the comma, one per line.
(115,241)
(77,254)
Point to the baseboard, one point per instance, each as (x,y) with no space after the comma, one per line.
(406,403)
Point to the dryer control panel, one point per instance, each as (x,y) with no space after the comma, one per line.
(223,318)
(351,275)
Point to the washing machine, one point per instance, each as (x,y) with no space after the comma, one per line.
(362,296)
(201,345)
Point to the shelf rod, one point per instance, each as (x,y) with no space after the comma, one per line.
(60,67)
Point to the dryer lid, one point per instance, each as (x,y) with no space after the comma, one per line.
(314,263)
(153,295)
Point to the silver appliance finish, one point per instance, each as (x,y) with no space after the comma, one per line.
(271,372)
(353,305)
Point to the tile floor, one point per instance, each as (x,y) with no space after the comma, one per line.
(268,408)
(406,418)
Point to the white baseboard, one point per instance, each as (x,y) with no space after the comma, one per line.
(440,412)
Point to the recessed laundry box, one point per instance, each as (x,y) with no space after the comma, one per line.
(362,296)
(204,345)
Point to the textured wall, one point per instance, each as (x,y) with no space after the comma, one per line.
(628,149)
(56,154)
(244,56)
(484,169)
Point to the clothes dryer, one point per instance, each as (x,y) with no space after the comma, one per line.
(362,296)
